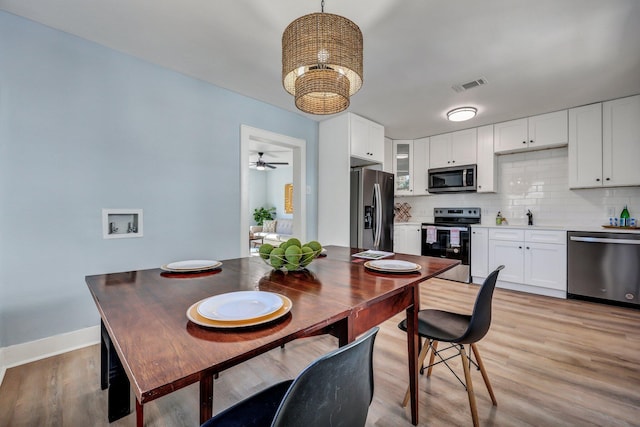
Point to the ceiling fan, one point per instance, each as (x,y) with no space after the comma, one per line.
(261,164)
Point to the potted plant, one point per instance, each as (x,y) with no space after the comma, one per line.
(261,214)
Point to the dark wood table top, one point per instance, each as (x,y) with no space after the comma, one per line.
(162,351)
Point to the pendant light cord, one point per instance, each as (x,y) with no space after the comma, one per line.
(322,6)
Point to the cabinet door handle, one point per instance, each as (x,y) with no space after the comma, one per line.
(519,247)
(531,141)
(598,179)
(524,142)
(528,247)
(608,179)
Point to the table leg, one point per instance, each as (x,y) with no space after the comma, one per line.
(139,414)
(413,343)
(113,377)
(104,357)
(206,397)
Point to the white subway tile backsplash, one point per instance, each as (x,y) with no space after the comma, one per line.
(538,181)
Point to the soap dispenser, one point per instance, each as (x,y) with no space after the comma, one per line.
(499,218)
(530,215)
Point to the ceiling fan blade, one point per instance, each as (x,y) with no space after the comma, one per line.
(277,163)
(269,166)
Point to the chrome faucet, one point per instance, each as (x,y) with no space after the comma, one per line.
(530,215)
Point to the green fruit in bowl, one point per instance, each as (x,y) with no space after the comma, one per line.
(317,247)
(293,255)
(284,245)
(276,257)
(293,242)
(307,256)
(291,267)
(265,250)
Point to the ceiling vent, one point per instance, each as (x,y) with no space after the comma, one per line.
(469,85)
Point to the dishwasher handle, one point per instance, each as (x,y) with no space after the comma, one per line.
(605,240)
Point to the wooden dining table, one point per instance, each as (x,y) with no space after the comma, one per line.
(149,345)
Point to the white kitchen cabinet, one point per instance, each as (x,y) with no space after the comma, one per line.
(453,149)
(479,252)
(387,166)
(621,141)
(486,174)
(335,159)
(585,147)
(367,139)
(535,260)
(406,238)
(420,167)
(603,144)
(410,159)
(532,133)
(403,167)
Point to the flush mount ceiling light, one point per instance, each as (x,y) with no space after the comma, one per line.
(461,114)
(322,62)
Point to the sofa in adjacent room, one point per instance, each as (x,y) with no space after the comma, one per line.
(273,232)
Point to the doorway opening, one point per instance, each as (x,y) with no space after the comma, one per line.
(299,160)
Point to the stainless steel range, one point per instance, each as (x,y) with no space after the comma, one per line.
(449,236)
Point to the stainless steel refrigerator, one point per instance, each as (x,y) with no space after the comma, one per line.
(372,209)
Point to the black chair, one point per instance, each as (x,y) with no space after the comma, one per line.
(335,390)
(458,330)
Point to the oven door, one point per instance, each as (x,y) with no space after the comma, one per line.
(452,242)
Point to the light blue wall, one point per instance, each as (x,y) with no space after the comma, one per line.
(82,128)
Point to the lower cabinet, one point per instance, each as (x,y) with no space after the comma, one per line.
(479,252)
(406,238)
(535,260)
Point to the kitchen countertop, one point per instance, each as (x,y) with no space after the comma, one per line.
(598,229)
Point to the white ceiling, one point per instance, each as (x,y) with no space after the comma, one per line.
(537,55)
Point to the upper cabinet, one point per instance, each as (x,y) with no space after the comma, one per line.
(603,144)
(453,149)
(621,141)
(487,171)
(403,166)
(367,140)
(532,133)
(410,164)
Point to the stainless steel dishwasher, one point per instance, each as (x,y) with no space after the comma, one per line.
(604,266)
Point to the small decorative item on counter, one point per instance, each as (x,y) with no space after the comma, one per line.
(499,218)
(624,217)
(632,222)
(504,221)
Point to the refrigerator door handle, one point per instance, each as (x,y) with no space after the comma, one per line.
(378,215)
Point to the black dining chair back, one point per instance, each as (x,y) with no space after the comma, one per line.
(334,390)
(481,315)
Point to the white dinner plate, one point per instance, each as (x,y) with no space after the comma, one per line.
(393,265)
(191,265)
(195,317)
(243,305)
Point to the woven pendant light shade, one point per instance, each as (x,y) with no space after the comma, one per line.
(322,62)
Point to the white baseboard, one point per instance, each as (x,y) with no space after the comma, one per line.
(20,354)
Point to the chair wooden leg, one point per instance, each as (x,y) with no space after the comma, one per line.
(467,377)
(421,357)
(433,356)
(483,371)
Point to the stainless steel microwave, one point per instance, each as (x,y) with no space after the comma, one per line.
(452,179)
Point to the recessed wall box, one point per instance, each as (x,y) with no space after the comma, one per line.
(121,223)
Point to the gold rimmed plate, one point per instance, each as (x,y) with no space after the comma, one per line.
(392,266)
(191,266)
(198,319)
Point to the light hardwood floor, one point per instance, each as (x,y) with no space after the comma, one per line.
(551,363)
